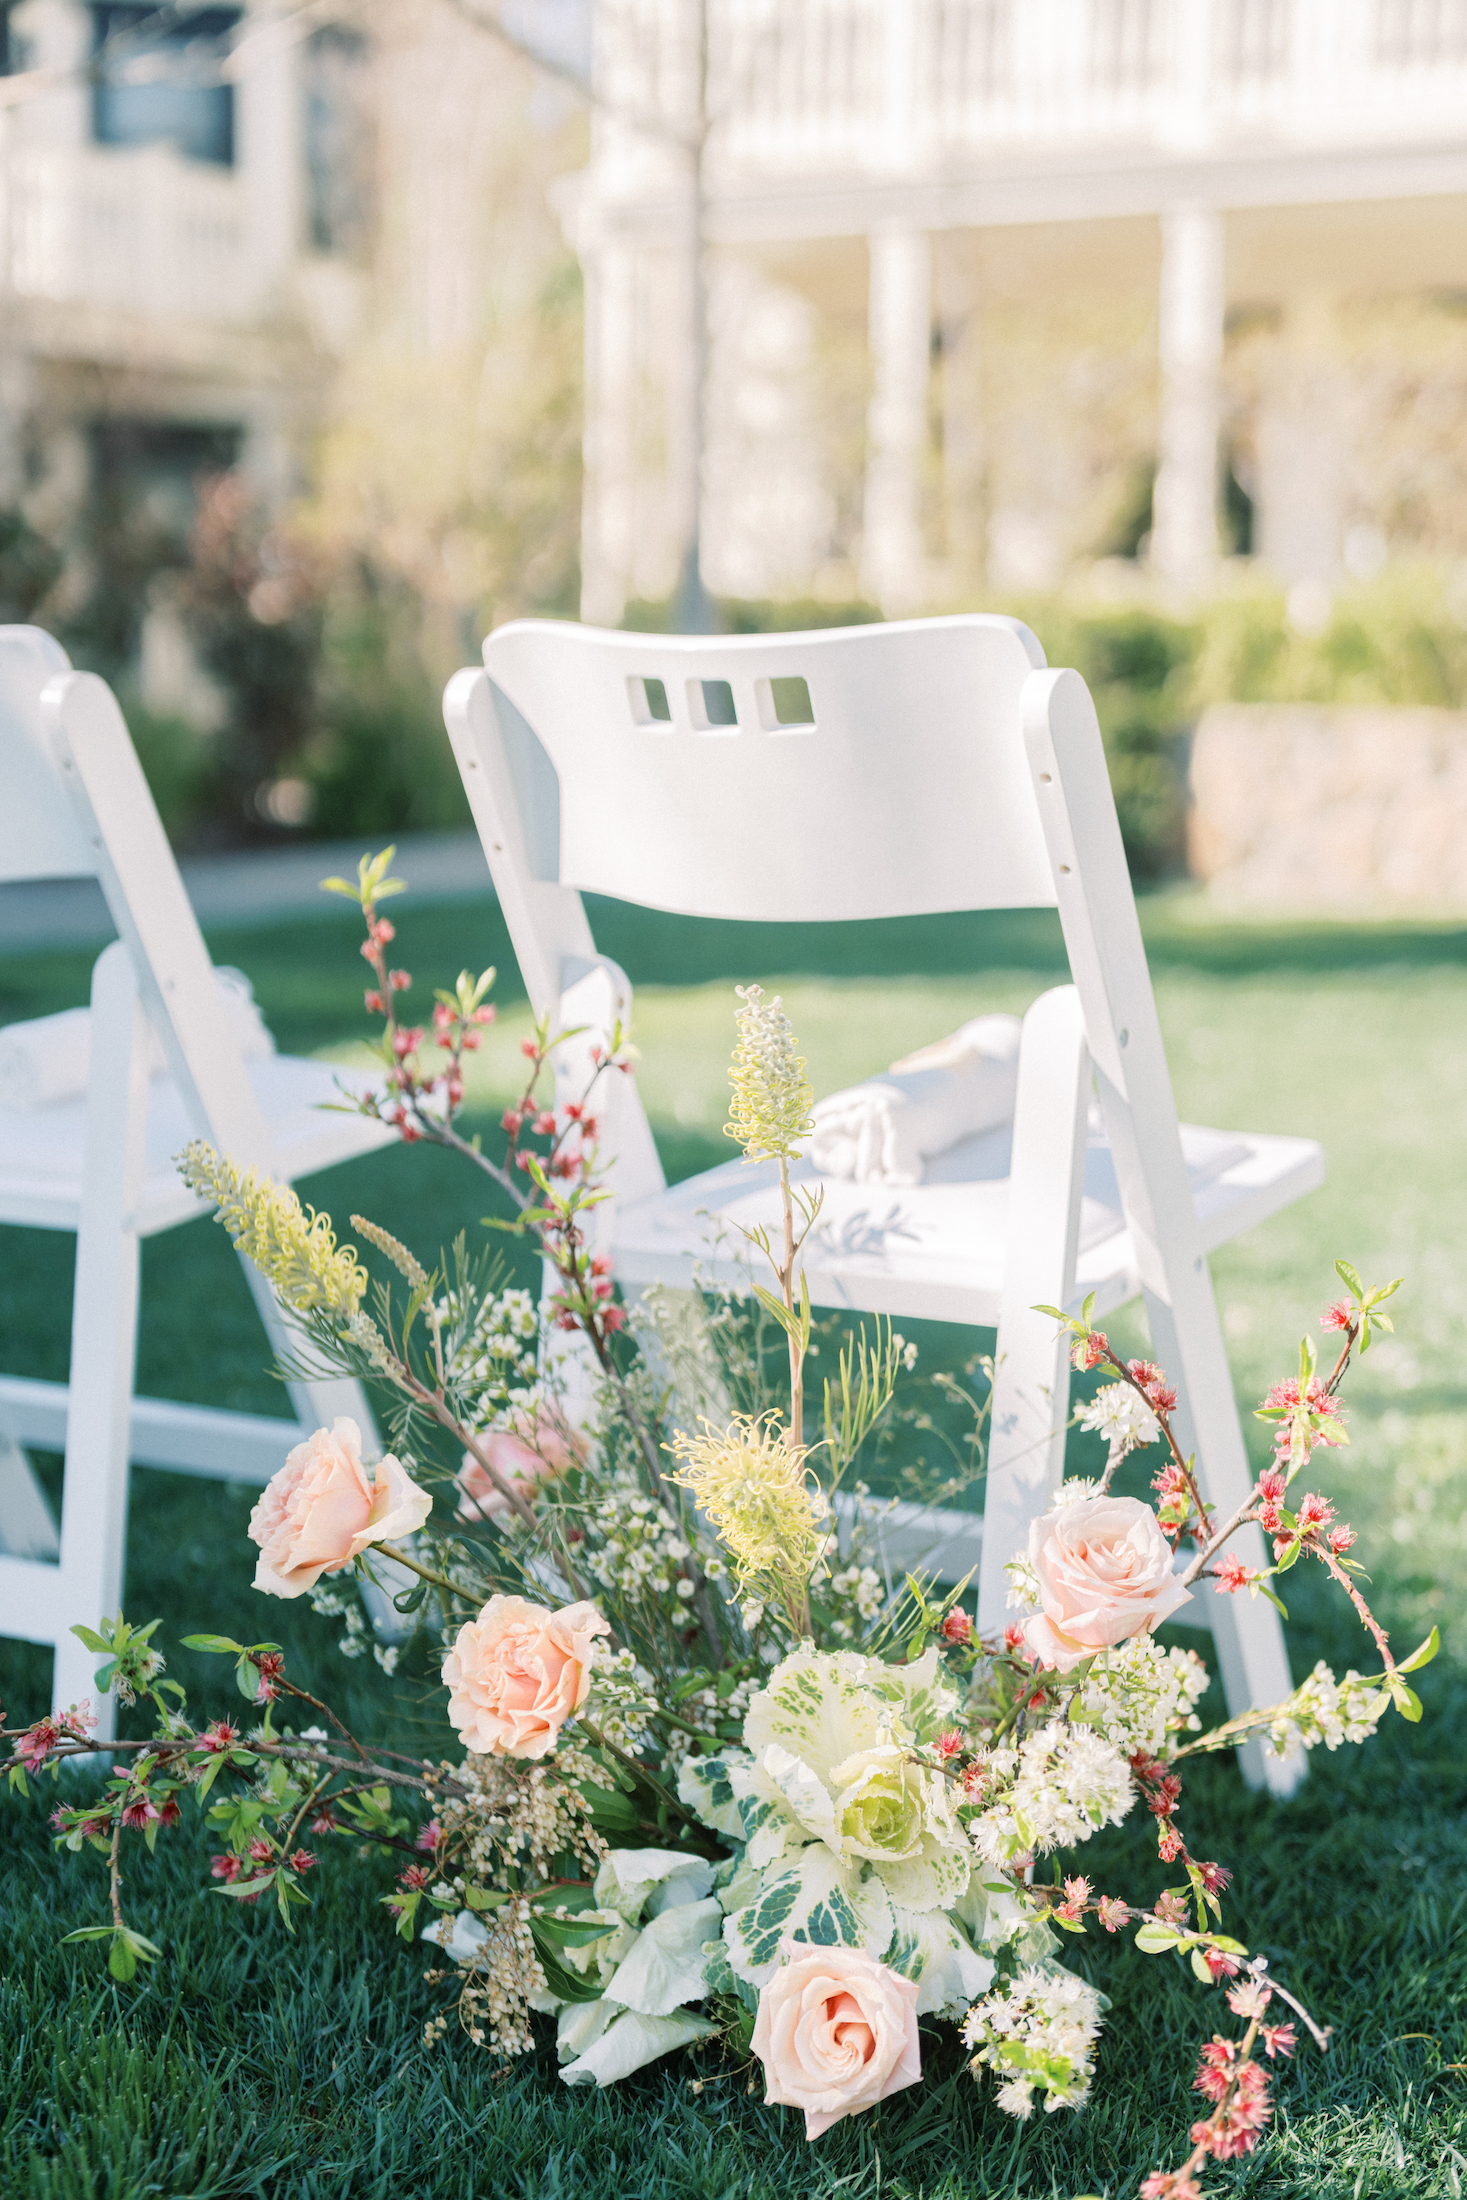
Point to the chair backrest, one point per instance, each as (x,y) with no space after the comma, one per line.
(872,771)
(40,833)
(75,792)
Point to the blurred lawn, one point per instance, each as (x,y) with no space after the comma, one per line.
(1352,1034)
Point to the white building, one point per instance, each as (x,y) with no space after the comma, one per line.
(182,207)
(911,166)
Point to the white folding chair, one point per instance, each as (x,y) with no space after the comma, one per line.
(884,771)
(76,804)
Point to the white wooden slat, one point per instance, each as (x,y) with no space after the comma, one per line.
(145,895)
(32,1603)
(1031,1386)
(1103,939)
(39,833)
(162,1432)
(905,793)
(103,1323)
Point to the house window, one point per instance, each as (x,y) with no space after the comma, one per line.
(335,66)
(158,79)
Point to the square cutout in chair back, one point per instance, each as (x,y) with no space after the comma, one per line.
(785,706)
(711,704)
(648,699)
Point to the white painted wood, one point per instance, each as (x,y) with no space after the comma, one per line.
(103,1329)
(936,768)
(1031,1390)
(1103,940)
(829,819)
(207,1440)
(76,802)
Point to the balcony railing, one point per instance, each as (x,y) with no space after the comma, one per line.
(141,232)
(827,86)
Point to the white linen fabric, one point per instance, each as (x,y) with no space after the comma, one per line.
(47,1061)
(886,1130)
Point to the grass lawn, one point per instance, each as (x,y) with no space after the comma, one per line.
(249,2064)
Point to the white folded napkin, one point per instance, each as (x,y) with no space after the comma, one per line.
(47,1061)
(885,1131)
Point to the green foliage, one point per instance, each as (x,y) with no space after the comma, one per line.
(30,566)
(1399,639)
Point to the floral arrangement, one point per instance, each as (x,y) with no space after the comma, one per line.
(717,1782)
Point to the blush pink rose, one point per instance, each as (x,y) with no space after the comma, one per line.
(537,1447)
(836,2032)
(324,1507)
(517,1673)
(1105,1573)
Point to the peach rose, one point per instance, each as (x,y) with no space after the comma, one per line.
(537,1447)
(836,2032)
(324,1507)
(1105,1574)
(517,1673)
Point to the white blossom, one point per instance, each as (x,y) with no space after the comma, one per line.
(1060,1786)
(1122,1416)
(1323,1709)
(1039,2030)
(1137,1694)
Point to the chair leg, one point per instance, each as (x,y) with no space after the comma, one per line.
(1031,1387)
(103,1331)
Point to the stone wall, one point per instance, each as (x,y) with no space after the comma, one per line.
(1330,808)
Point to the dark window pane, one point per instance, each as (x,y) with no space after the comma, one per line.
(159,80)
(334,65)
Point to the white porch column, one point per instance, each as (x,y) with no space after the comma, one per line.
(269,154)
(1184,524)
(609,492)
(893,556)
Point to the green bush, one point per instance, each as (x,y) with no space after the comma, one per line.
(1399,639)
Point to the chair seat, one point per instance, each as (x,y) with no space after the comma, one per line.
(41,1150)
(936,1250)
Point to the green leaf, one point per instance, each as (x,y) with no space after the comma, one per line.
(1066,1924)
(1289,1558)
(1261,1589)
(91,1639)
(1349,1275)
(215,1645)
(1406,1700)
(565,1984)
(1199,1967)
(239,1888)
(487,1898)
(1423,1656)
(779,1312)
(89,1932)
(1154,1937)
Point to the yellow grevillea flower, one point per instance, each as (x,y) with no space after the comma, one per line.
(754,1488)
(295,1251)
(772,1093)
